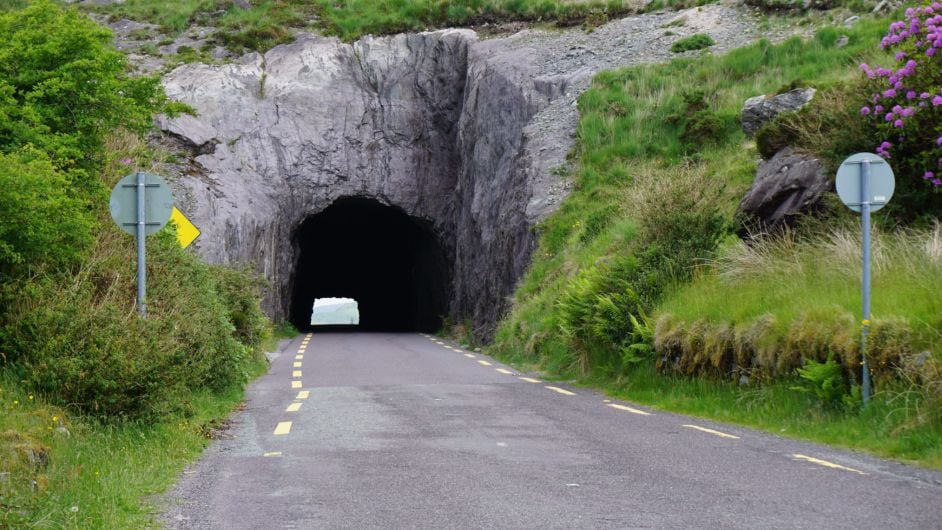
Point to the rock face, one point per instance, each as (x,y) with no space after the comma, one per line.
(759,110)
(467,136)
(788,184)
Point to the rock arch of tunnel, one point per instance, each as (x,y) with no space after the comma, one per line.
(391,263)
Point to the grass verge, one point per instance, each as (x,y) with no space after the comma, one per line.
(63,471)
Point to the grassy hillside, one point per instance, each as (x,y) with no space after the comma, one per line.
(641,286)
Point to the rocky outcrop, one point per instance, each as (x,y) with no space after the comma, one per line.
(759,110)
(789,184)
(466,135)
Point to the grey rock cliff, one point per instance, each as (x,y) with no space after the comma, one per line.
(464,134)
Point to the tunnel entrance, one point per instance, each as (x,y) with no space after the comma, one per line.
(391,263)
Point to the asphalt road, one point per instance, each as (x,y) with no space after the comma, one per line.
(369,430)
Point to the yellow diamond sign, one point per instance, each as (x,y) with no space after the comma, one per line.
(186,231)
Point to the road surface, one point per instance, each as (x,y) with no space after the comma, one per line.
(371,430)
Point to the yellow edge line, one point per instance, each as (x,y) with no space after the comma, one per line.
(628,409)
(711,431)
(825,463)
(561,390)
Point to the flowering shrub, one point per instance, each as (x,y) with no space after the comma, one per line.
(906,106)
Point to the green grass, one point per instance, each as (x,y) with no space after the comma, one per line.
(885,428)
(647,130)
(698,41)
(272,22)
(98,475)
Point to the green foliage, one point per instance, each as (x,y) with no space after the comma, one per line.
(42,224)
(203,330)
(697,41)
(63,87)
(271,22)
(824,380)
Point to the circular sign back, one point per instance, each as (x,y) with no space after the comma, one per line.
(158,203)
(882,182)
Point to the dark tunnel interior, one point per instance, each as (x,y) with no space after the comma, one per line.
(391,263)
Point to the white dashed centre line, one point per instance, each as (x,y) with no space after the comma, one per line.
(711,431)
(825,463)
(562,391)
(628,409)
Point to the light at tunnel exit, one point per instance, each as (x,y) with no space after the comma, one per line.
(335,312)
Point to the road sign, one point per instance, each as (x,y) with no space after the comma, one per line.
(849,182)
(186,230)
(140,205)
(158,203)
(865,184)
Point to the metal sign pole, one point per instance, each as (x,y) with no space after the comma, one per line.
(865,226)
(141,236)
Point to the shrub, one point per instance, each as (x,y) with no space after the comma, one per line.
(63,86)
(694,42)
(78,339)
(42,224)
(906,105)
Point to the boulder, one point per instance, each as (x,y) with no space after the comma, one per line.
(759,110)
(790,183)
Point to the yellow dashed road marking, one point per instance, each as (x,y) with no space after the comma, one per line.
(825,463)
(295,384)
(469,356)
(562,391)
(529,380)
(297,365)
(711,431)
(296,373)
(485,363)
(284,427)
(274,453)
(294,407)
(628,409)
(299,357)
(303,394)
(504,371)
(456,350)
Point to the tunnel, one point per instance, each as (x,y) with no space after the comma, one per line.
(391,263)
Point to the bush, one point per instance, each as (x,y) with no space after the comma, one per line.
(78,339)
(42,224)
(906,106)
(693,42)
(63,86)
